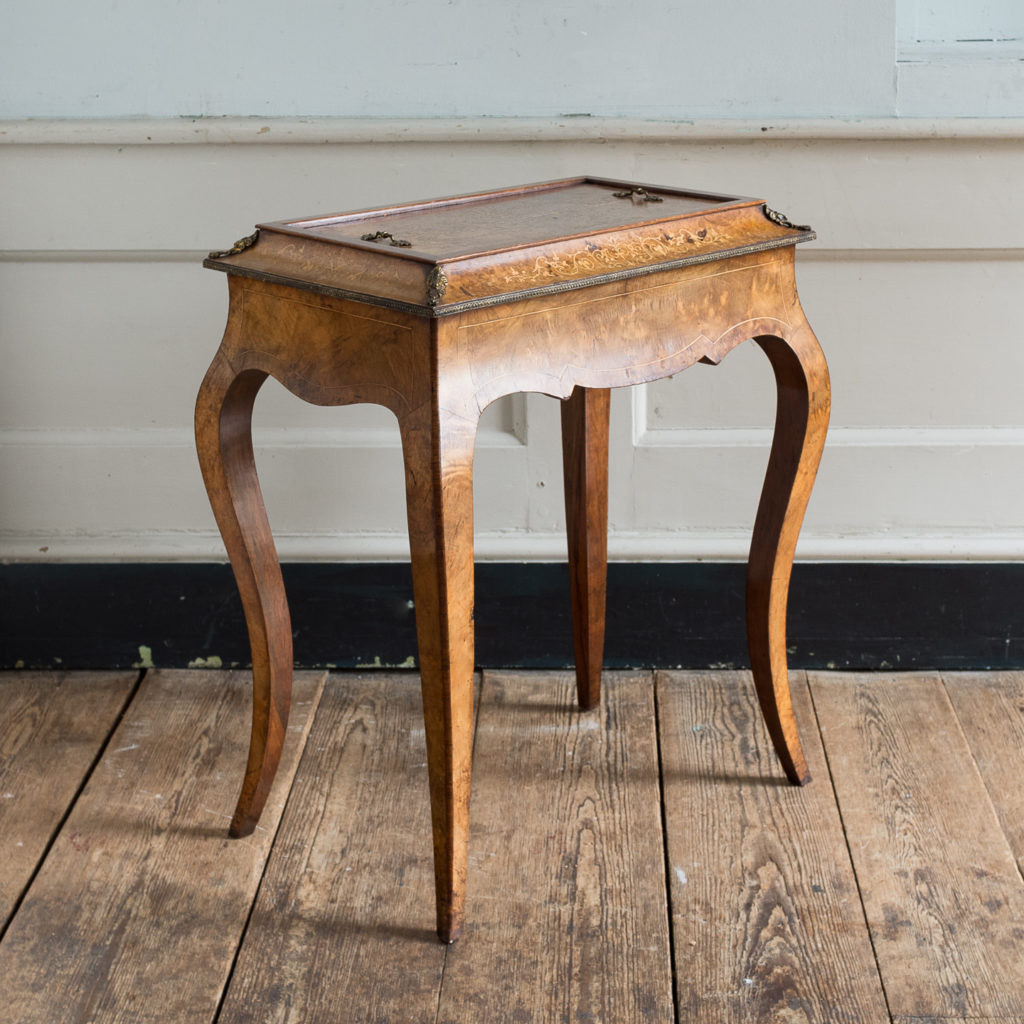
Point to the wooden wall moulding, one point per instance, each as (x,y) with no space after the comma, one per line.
(560,287)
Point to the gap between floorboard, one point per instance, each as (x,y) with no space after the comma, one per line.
(60,821)
(846,840)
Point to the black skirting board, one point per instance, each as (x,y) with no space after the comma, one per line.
(855,616)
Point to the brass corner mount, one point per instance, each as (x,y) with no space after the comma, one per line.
(240,246)
(782,220)
(437,284)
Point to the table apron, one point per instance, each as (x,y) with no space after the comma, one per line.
(629,332)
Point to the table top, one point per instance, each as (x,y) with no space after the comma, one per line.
(442,256)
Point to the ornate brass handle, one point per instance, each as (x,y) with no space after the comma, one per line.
(639,196)
(379,236)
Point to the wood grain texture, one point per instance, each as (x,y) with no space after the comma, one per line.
(52,727)
(990,708)
(504,242)
(223,427)
(566,903)
(958,1020)
(523,217)
(141,904)
(941,891)
(136,914)
(340,344)
(343,929)
(627,332)
(585,419)
(437,448)
(765,913)
(801,423)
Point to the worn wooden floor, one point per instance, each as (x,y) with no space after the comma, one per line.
(643,862)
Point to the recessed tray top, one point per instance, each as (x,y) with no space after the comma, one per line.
(446,255)
(481,225)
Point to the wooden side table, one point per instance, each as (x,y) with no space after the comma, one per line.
(436,309)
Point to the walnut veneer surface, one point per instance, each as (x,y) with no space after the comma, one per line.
(435,310)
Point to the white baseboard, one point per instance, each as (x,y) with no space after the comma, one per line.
(666,546)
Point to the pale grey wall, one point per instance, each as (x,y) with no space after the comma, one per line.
(111,195)
(662,59)
(954,21)
(400,58)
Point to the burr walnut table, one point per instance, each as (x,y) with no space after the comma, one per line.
(435,309)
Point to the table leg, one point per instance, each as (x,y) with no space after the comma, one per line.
(802,383)
(224,444)
(585,466)
(438,453)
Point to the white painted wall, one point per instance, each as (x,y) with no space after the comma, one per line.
(959,59)
(107,320)
(951,21)
(437,58)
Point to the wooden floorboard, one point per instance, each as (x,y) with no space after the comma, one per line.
(990,707)
(941,890)
(566,917)
(344,927)
(958,1020)
(136,914)
(890,885)
(767,921)
(52,728)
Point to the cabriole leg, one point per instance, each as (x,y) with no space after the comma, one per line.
(224,444)
(801,423)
